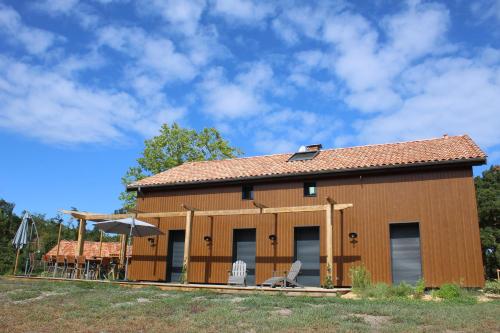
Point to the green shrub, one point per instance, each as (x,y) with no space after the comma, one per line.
(401,290)
(492,287)
(448,291)
(360,277)
(419,289)
(379,290)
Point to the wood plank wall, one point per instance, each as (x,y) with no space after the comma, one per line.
(442,201)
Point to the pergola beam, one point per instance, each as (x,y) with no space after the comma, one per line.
(222,212)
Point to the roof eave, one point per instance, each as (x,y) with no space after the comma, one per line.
(469,161)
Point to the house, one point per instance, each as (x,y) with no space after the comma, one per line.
(412,215)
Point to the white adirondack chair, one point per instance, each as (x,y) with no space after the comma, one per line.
(238,275)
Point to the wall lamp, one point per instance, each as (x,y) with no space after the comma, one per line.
(272,237)
(353,235)
(151,241)
(207,239)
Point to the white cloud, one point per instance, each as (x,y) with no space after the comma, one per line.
(486,9)
(49,106)
(86,15)
(35,41)
(156,60)
(450,95)
(285,130)
(243,11)
(238,99)
(183,16)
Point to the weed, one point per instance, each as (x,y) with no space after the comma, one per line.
(447,291)
(360,277)
(492,287)
(401,290)
(419,289)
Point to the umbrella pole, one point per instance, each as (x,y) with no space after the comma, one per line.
(126,249)
(17,261)
(28,250)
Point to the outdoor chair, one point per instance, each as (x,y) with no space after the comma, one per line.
(238,275)
(70,267)
(287,279)
(80,267)
(93,269)
(48,264)
(60,266)
(104,268)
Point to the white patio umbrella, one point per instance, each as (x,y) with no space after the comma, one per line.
(128,226)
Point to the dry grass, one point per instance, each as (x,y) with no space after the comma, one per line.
(43,306)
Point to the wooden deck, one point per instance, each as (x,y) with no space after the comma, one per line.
(218,288)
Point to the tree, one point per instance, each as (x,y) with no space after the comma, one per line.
(488,204)
(172,147)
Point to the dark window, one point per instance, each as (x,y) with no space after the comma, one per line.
(303,156)
(247,192)
(310,189)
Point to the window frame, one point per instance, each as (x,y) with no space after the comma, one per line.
(244,189)
(307,186)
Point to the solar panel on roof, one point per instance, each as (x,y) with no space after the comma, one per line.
(303,156)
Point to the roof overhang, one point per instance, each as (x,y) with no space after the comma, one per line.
(322,173)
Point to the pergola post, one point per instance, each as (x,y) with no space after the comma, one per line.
(187,245)
(123,249)
(59,238)
(81,236)
(329,237)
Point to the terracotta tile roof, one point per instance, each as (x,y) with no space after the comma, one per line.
(438,150)
(90,249)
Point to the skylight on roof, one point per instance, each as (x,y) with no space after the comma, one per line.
(303,156)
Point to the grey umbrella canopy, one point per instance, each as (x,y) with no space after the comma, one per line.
(128,226)
(21,238)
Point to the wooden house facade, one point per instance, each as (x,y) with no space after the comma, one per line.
(413,215)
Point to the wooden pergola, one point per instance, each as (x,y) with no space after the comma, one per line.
(190,213)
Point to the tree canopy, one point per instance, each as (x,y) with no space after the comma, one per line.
(488,205)
(173,146)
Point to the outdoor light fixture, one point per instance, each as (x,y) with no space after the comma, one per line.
(207,239)
(272,237)
(151,241)
(353,235)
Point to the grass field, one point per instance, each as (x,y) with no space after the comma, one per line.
(44,306)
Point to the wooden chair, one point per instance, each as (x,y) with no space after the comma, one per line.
(80,267)
(287,279)
(70,267)
(238,275)
(60,266)
(104,268)
(48,264)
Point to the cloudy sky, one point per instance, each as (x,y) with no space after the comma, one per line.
(83,83)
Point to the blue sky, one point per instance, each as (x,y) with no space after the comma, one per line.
(83,83)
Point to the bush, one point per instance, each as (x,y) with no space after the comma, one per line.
(401,290)
(379,290)
(448,291)
(360,277)
(419,289)
(492,287)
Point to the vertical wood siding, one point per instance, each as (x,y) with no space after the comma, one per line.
(443,202)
